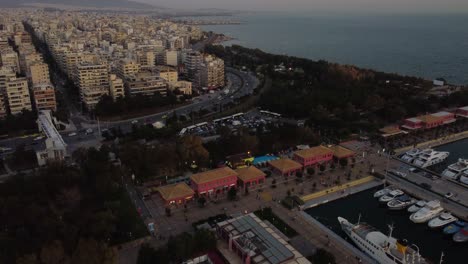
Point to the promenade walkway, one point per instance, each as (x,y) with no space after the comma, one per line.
(436,142)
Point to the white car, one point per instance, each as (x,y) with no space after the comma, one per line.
(72,134)
(38,138)
(135,122)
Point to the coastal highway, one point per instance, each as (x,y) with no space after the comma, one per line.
(239,84)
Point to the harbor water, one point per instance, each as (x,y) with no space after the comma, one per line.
(457,149)
(431,242)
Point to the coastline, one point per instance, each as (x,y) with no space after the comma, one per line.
(273,33)
(436,142)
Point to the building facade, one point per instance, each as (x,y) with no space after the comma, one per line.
(44,97)
(93,82)
(313,156)
(17,94)
(116,87)
(214,181)
(39,73)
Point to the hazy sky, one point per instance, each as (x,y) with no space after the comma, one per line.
(433,6)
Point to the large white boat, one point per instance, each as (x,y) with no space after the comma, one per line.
(443,219)
(411,155)
(464,177)
(383,191)
(390,196)
(401,202)
(429,211)
(429,158)
(417,206)
(384,249)
(454,170)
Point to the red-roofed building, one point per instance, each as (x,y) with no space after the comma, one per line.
(429,121)
(313,156)
(214,181)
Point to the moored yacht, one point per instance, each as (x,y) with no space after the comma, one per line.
(443,219)
(390,196)
(411,155)
(417,206)
(464,177)
(454,227)
(384,249)
(453,171)
(383,191)
(401,202)
(429,158)
(429,211)
(462,235)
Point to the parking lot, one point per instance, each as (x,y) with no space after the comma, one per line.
(252,121)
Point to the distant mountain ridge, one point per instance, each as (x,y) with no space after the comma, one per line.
(79,3)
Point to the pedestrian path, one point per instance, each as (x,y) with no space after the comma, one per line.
(339,188)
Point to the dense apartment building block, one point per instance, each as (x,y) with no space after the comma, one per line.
(117,87)
(17,94)
(38,73)
(92,81)
(212,72)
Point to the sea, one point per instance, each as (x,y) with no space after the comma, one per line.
(428,46)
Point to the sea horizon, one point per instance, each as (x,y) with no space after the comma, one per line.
(429,46)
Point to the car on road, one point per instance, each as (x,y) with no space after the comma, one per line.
(426,186)
(72,134)
(38,138)
(89,131)
(448,195)
(134,122)
(413,170)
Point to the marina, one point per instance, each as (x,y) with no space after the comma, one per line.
(431,242)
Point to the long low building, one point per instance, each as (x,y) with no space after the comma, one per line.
(429,121)
(313,156)
(285,166)
(214,181)
(253,241)
(178,193)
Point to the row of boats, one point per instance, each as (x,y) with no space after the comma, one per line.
(429,157)
(424,211)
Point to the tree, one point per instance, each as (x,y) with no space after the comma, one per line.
(53,253)
(201,201)
(232,194)
(93,252)
(343,162)
(321,256)
(322,168)
(190,148)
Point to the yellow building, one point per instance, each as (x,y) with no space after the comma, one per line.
(184,87)
(38,73)
(146,84)
(212,72)
(116,87)
(18,95)
(169,74)
(9,58)
(127,68)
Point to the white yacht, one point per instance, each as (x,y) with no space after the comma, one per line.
(411,155)
(431,210)
(464,177)
(384,249)
(443,219)
(417,206)
(401,202)
(383,191)
(430,158)
(390,196)
(454,170)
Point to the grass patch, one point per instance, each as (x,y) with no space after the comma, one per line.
(267,214)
